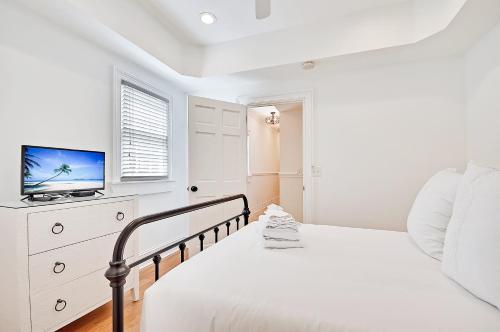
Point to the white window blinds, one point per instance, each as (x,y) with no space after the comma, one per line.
(144,134)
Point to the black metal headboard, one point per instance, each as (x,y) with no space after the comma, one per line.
(119,269)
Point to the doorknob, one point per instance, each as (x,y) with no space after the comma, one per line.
(194,189)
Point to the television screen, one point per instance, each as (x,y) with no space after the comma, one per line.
(52,170)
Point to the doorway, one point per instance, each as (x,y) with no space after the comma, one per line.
(275,158)
(217,156)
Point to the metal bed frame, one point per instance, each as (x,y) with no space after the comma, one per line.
(119,269)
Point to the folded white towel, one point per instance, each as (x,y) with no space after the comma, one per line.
(274,207)
(277,213)
(282,219)
(280,234)
(282,224)
(280,230)
(284,244)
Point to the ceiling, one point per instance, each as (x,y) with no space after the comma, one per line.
(236,18)
(398,31)
(265,110)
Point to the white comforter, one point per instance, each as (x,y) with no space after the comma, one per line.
(344,280)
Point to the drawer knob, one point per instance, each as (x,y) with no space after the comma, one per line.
(120,216)
(59,267)
(60,305)
(57,228)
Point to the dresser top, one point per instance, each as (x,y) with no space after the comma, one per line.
(29,204)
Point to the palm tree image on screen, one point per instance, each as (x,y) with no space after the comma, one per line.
(29,163)
(64,168)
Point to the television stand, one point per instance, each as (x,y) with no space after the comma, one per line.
(84,193)
(41,198)
(52,197)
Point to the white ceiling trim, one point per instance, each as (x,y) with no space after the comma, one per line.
(357,36)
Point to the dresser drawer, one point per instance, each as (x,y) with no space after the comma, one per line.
(51,308)
(58,228)
(59,266)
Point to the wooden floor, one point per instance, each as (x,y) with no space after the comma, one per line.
(100,319)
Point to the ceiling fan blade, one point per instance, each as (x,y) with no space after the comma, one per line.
(262,9)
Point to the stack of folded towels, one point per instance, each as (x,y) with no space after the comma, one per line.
(281,231)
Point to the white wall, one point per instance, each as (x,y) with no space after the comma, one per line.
(56,90)
(291,140)
(379,134)
(291,161)
(264,144)
(483,100)
(264,161)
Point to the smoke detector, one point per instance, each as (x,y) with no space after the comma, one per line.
(308,65)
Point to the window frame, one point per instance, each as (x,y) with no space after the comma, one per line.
(141,84)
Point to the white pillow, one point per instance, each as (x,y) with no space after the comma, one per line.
(431,212)
(472,245)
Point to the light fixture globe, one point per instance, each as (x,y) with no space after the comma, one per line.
(273,119)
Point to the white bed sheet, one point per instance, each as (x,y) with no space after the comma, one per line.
(346,279)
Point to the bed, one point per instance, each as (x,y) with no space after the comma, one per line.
(345,279)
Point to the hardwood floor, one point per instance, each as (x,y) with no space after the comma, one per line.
(100,319)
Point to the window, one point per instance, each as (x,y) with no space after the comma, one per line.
(144,133)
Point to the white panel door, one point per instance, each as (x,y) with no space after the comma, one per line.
(217,159)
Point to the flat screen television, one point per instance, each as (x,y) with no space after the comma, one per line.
(53,170)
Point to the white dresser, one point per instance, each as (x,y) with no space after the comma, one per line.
(53,257)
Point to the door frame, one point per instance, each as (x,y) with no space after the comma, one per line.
(306,98)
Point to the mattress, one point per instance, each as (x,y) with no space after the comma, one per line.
(345,279)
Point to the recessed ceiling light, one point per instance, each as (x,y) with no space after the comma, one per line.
(208,18)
